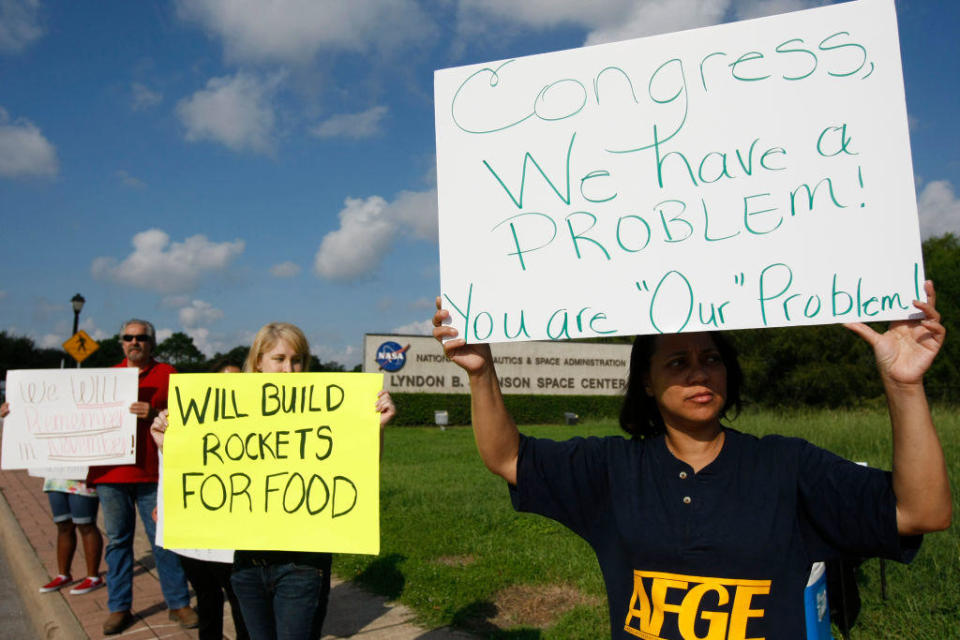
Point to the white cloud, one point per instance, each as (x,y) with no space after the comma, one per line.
(128,180)
(143,97)
(939,209)
(285,270)
(202,340)
(199,312)
(358,246)
(90,326)
(163,334)
(746,9)
(368,228)
(24,151)
(235,111)
(19,24)
(913,122)
(347,355)
(660,16)
(545,14)
(611,20)
(416,213)
(43,311)
(418,328)
(156,264)
(51,341)
(295,30)
(174,302)
(421,304)
(365,124)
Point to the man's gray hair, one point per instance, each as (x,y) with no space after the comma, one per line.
(145,324)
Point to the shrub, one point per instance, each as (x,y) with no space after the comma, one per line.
(417,409)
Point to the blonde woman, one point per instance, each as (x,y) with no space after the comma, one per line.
(283,594)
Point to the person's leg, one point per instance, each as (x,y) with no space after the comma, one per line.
(66,534)
(173,583)
(255,594)
(324,599)
(222,571)
(297,598)
(119,520)
(201,575)
(66,546)
(83,510)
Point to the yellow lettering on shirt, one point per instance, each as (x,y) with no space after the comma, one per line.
(658,597)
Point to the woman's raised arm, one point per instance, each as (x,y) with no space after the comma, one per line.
(498,440)
(904,353)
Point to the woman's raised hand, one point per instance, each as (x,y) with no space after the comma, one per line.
(473,358)
(905,351)
(159,428)
(385,407)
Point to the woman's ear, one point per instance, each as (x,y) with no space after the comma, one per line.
(646,387)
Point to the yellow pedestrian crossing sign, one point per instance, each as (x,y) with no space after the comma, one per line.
(80,345)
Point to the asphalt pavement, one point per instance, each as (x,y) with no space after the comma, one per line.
(13,611)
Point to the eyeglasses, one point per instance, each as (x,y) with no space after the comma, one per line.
(139,337)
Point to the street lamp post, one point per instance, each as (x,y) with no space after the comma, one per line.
(77,302)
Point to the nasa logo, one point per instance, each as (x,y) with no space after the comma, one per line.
(391,356)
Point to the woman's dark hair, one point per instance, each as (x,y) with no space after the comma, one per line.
(640,416)
(218,364)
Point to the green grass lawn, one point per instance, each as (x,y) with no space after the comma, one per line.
(452,546)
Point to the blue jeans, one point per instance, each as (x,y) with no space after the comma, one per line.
(282,601)
(71,506)
(120,501)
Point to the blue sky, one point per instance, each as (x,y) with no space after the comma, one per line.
(214,165)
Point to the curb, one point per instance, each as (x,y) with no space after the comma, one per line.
(50,616)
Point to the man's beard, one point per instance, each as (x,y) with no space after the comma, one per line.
(137,356)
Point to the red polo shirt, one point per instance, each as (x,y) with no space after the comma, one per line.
(154,383)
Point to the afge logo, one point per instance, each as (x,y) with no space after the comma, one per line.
(391,356)
(668,605)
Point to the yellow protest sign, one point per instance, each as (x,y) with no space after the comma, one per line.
(287,461)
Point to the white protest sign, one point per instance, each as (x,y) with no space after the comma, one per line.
(59,473)
(753,174)
(70,418)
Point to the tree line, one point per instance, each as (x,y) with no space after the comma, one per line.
(817,366)
(20,352)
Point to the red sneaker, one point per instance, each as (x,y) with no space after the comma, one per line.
(60,581)
(88,585)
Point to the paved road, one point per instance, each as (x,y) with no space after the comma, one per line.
(12,612)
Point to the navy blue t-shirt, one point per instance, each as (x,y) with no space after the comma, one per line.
(722,554)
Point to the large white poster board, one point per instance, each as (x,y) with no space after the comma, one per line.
(70,418)
(753,174)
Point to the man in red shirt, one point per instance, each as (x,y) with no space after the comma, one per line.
(125,489)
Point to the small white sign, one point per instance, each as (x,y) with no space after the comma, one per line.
(70,418)
(59,473)
(754,174)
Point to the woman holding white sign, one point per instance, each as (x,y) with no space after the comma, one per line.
(700,530)
(74,506)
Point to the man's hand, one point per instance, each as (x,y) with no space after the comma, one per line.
(141,410)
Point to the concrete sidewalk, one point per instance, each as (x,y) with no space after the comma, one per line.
(28,538)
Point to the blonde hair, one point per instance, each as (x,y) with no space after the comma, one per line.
(268,336)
